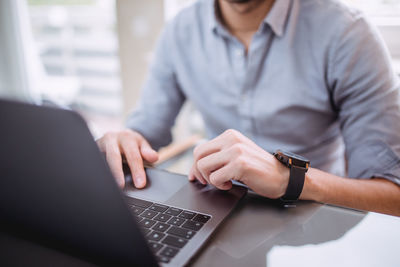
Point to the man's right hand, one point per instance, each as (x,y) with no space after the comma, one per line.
(134,147)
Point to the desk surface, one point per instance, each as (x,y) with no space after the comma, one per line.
(261,233)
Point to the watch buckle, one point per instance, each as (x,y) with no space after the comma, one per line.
(289,205)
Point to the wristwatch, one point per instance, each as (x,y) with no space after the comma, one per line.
(298,166)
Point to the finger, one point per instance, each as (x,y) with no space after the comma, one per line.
(226,139)
(147,152)
(197,175)
(213,162)
(114,160)
(208,148)
(135,162)
(222,177)
(225,186)
(191,175)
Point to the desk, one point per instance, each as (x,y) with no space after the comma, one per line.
(261,233)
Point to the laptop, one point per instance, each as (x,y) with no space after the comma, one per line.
(57,191)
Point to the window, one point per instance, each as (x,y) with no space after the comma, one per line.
(77,42)
(378,8)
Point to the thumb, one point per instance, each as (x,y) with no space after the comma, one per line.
(147,152)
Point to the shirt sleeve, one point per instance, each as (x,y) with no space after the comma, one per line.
(161,97)
(365,94)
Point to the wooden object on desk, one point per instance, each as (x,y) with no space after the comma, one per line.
(175,149)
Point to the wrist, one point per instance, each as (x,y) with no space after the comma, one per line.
(311,188)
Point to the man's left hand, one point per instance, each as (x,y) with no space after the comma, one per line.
(232,156)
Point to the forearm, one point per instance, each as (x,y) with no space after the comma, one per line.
(376,194)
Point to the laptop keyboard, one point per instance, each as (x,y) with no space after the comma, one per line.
(167,229)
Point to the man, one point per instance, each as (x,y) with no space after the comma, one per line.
(307,76)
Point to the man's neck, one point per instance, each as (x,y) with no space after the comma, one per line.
(243,19)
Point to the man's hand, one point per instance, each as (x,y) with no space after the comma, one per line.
(232,156)
(134,148)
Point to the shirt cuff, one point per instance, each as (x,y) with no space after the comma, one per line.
(374,159)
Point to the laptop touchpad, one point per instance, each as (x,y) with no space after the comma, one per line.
(161,185)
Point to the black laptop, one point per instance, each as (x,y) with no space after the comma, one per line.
(57,192)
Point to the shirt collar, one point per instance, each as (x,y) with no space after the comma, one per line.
(276,17)
(212,15)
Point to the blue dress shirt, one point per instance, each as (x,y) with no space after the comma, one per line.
(316,80)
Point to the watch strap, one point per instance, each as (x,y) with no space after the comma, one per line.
(295,185)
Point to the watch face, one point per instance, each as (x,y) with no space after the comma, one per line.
(296,159)
(294,156)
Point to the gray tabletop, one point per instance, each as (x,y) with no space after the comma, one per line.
(261,233)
